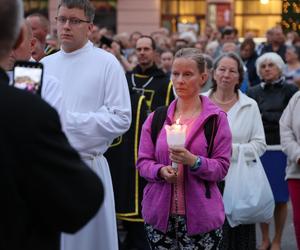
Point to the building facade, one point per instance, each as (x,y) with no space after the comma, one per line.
(146,16)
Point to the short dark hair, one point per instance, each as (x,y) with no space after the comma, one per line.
(248,41)
(85,5)
(239,62)
(227,31)
(11,16)
(153,44)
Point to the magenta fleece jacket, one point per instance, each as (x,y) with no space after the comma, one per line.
(202,214)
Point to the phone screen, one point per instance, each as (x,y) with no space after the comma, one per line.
(28,77)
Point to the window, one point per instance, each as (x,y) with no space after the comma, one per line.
(178,15)
(252,16)
(31,6)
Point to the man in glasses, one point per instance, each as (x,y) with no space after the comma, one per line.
(43,182)
(97,110)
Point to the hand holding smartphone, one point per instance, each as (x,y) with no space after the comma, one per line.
(28,76)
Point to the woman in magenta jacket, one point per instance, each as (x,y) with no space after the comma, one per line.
(176,207)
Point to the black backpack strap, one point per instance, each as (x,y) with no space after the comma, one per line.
(158,120)
(210,131)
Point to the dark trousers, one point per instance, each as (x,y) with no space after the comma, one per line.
(135,237)
(241,237)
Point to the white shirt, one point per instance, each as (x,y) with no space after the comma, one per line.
(51,91)
(96,96)
(246,127)
(97,110)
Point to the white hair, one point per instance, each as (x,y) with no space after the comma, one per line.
(211,46)
(270,57)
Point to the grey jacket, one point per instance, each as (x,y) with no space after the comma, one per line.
(290,136)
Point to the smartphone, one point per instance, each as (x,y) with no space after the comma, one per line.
(28,76)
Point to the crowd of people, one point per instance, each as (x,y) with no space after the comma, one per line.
(96,134)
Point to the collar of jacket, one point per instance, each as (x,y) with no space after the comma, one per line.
(252,58)
(208,109)
(275,84)
(243,100)
(152,71)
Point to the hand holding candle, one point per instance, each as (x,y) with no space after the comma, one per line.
(176,134)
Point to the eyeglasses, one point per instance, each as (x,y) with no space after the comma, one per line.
(73,21)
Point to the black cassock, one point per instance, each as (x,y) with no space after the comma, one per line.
(148,90)
(122,157)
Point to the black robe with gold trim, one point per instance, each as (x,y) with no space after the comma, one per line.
(122,157)
(153,83)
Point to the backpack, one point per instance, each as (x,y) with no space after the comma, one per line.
(210,130)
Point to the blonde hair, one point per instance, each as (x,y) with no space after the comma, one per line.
(195,55)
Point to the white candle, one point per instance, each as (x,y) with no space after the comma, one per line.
(176,136)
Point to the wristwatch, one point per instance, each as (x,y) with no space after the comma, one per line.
(197,164)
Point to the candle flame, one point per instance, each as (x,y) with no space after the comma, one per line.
(177,126)
(177,121)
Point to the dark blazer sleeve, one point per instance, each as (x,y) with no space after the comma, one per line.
(61,190)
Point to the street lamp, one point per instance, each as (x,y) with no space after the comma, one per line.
(264,1)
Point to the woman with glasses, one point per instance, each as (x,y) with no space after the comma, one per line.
(247,132)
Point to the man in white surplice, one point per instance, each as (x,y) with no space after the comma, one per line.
(97,110)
